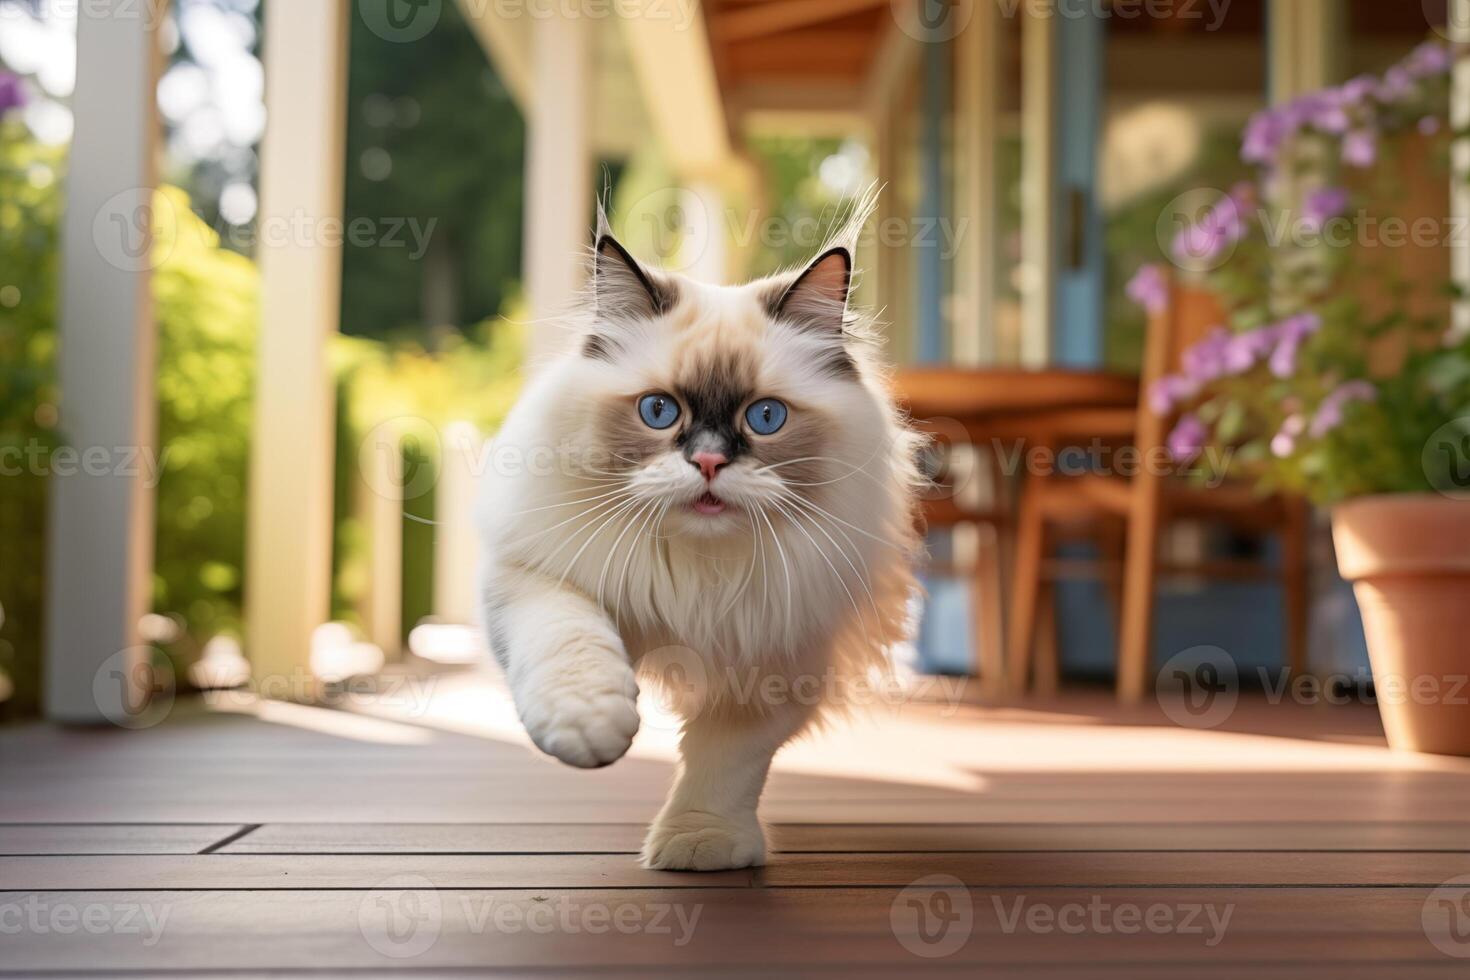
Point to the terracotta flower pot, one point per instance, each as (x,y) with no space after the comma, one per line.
(1408,557)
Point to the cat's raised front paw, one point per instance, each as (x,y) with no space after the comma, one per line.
(700,841)
(582,721)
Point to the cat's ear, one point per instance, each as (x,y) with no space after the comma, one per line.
(622,289)
(817,300)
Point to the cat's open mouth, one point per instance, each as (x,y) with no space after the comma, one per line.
(708,503)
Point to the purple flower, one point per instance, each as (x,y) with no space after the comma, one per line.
(1322,205)
(1264,134)
(1205,361)
(1429,125)
(12,94)
(1360,148)
(1355,92)
(1188,439)
(1289,336)
(1397,85)
(1168,391)
(1324,110)
(1428,59)
(1241,352)
(1149,288)
(1220,227)
(1330,412)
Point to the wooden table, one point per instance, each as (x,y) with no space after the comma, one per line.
(1027,408)
(985,393)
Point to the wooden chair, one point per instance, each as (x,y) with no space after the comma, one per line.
(947,508)
(971,406)
(1141,506)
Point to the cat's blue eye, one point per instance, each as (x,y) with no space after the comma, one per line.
(658,411)
(766,416)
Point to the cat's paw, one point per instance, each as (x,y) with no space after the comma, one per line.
(587,719)
(700,841)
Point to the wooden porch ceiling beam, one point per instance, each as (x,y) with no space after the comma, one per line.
(675,69)
(803,55)
(763,20)
(507,43)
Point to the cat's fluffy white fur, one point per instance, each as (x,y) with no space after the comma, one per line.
(597,563)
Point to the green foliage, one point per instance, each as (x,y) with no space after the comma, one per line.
(422,393)
(798,197)
(30,215)
(437,118)
(205,303)
(206,309)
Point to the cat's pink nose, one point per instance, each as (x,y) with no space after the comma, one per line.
(709,463)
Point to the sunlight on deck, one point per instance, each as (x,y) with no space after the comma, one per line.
(943,745)
(324,721)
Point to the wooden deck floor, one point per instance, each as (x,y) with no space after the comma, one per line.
(414,832)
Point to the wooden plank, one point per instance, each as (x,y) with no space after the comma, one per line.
(625,838)
(1105,869)
(413,800)
(1016,869)
(297,871)
(738,930)
(442,838)
(102,838)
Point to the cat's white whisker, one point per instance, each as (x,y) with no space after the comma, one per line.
(566,503)
(795,521)
(517,542)
(612,551)
(861,577)
(825,513)
(853,468)
(786,571)
(617,513)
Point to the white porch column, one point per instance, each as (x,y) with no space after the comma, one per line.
(100,541)
(1038,205)
(380,509)
(977,77)
(704,255)
(1308,43)
(456,543)
(288,561)
(558,213)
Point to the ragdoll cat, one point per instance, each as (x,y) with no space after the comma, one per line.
(713,478)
